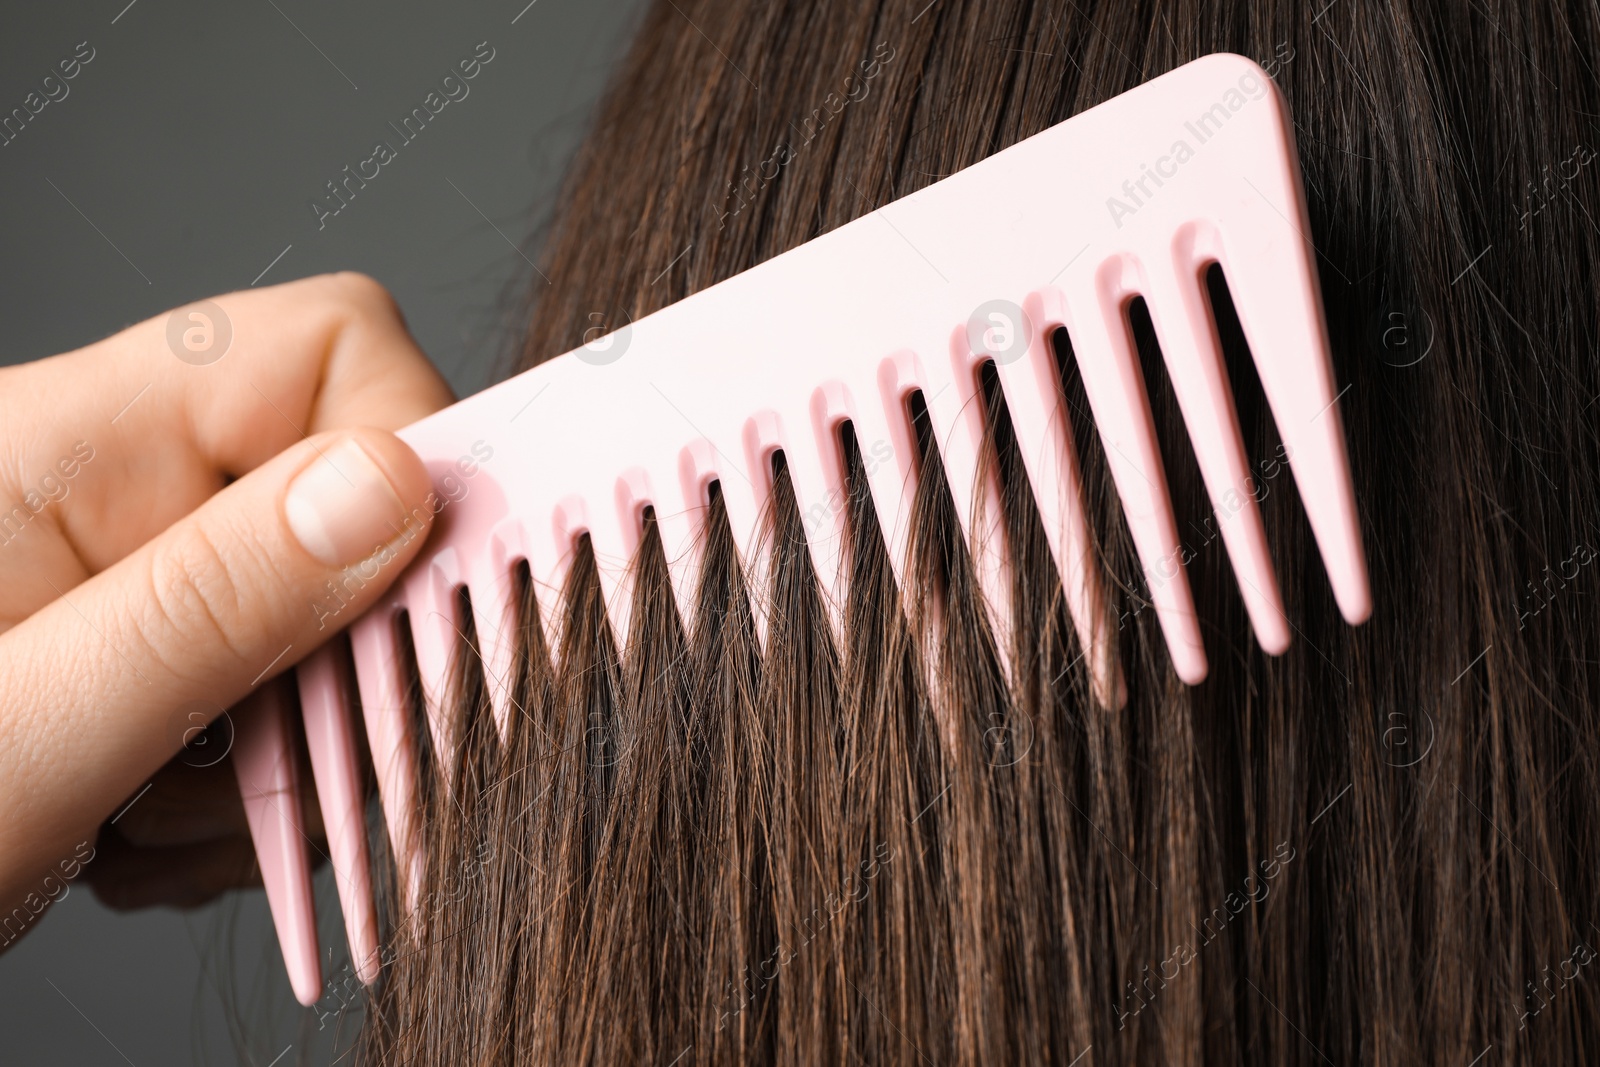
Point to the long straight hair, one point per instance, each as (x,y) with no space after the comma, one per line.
(911,845)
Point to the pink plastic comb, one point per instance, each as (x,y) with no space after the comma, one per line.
(1136,197)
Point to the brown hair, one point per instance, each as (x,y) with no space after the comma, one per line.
(1375,848)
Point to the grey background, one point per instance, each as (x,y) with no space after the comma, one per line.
(181,164)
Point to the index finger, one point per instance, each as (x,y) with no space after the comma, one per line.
(177,406)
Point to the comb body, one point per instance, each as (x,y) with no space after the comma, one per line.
(1136,197)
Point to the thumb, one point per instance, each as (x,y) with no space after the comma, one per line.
(94,685)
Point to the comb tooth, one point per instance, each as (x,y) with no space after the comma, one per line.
(680,540)
(614,545)
(269,784)
(494,617)
(1032,386)
(682,519)
(1114,384)
(435,634)
(492,582)
(746,503)
(336,767)
(886,424)
(957,411)
(550,543)
(819,491)
(1193,355)
(616,538)
(984,515)
(1273,279)
(380,677)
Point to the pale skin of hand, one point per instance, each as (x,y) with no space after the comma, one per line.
(173,571)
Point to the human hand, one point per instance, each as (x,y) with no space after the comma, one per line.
(173,501)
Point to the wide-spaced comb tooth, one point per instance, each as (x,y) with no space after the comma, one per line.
(381,679)
(492,585)
(816,473)
(436,634)
(615,534)
(551,540)
(706,389)
(1193,355)
(745,494)
(954,412)
(682,516)
(1114,384)
(681,541)
(901,377)
(886,417)
(1267,259)
(269,783)
(341,793)
(978,500)
(833,405)
(1031,382)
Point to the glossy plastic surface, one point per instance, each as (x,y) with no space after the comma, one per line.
(1136,197)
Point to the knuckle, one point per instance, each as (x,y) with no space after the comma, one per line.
(198,592)
(365,295)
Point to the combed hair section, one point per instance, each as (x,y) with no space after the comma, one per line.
(749,836)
